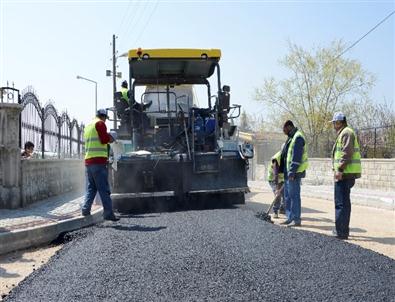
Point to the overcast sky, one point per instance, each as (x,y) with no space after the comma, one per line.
(46,44)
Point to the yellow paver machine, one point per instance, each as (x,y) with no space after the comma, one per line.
(172,153)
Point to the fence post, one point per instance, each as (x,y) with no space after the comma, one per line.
(42,132)
(71,140)
(375,141)
(20,121)
(79,141)
(59,134)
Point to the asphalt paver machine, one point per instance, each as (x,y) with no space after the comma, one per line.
(171,153)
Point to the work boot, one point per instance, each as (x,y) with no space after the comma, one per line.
(111,218)
(294,224)
(336,235)
(85,213)
(286,222)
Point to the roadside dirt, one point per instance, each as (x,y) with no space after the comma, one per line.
(16,266)
(370,228)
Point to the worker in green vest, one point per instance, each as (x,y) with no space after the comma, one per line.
(276,182)
(124,91)
(96,159)
(346,163)
(294,163)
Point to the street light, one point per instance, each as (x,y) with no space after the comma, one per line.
(89,80)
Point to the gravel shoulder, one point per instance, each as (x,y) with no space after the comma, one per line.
(16,266)
(370,228)
(221,255)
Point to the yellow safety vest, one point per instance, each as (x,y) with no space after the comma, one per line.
(354,165)
(305,162)
(93,146)
(270,172)
(124,92)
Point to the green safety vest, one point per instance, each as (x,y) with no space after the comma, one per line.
(93,146)
(305,163)
(354,165)
(270,172)
(124,92)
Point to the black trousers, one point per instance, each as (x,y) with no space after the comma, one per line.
(343,205)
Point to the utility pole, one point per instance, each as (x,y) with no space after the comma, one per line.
(114,74)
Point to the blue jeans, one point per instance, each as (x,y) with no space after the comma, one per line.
(97,181)
(292,199)
(280,201)
(343,206)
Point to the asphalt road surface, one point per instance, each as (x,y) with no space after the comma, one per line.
(211,255)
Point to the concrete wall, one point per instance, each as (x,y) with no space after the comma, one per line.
(377,174)
(44,178)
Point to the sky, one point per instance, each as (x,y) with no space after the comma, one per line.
(46,44)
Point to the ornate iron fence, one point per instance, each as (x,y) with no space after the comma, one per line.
(54,135)
(377,142)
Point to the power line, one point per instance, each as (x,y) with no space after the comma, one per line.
(129,21)
(356,42)
(125,14)
(146,23)
(135,21)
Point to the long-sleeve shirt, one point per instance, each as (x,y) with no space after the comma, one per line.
(104,138)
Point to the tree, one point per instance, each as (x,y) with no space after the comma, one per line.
(375,124)
(319,84)
(244,121)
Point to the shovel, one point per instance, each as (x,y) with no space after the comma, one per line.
(265,215)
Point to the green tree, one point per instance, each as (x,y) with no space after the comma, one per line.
(320,82)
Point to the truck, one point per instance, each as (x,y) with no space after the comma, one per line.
(172,153)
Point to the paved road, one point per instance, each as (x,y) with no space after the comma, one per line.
(220,255)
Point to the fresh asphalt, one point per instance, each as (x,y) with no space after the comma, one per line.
(207,255)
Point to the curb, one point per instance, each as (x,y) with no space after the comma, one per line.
(21,239)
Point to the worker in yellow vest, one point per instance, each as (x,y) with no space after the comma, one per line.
(346,163)
(276,182)
(294,163)
(124,91)
(96,159)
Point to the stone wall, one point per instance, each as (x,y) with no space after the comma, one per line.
(9,156)
(377,174)
(23,182)
(44,178)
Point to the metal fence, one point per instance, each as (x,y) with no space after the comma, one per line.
(54,135)
(375,142)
